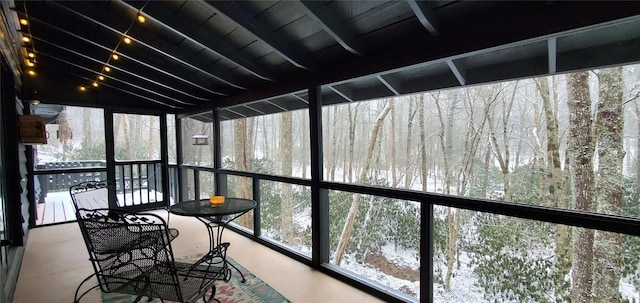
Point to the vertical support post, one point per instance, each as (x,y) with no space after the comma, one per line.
(164,159)
(257,230)
(31,188)
(11,162)
(110,155)
(182,186)
(196,184)
(319,196)
(220,179)
(426,252)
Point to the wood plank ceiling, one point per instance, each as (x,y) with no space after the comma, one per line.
(257,57)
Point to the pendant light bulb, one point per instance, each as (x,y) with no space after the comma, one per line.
(141,18)
(107,69)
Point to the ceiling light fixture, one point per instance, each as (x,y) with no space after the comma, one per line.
(32,72)
(24,21)
(82,88)
(30,64)
(107,69)
(127,40)
(101,77)
(31,55)
(95,84)
(26,39)
(115,56)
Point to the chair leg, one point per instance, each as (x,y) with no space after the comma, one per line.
(212,296)
(76,299)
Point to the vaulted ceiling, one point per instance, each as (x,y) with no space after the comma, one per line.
(258,57)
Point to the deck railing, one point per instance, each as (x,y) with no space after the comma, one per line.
(137,182)
(59,176)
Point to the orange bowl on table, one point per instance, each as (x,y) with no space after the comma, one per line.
(216,200)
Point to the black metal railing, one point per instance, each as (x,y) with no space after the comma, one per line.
(137,182)
(59,176)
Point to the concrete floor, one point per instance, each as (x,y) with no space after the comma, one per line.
(56,261)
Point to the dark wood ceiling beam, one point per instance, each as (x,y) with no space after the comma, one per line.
(235,112)
(249,107)
(561,19)
(457,71)
(181,57)
(276,106)
(423,13)
(201,37)
(305,101)
(50,87)
(387,84)
(114,67)
(234,12)
(339,93)
(71,64)
(182,78)
(345,36)
(553,54)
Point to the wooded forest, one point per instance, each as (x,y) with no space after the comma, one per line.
(568,141)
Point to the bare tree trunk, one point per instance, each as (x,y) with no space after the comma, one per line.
(555,185)
(333,146)
(241,160)
(637,193)
(353,210)
(392,135)
(127,136)
(249,139)
(304,160)
(266,139)
(286,159)
(610,190)
(408,175)
(580,147)
(86,128)
(353,119)
(424,171)
(503,160)
(152,132)
(446,143)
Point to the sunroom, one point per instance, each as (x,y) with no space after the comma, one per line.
(437,151)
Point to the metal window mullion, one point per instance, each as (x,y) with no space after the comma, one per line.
(181,175)
(220,179)
(140,183)
(426,252)
(319,196)
(196,184)
(110,156)
(164,164)
(257,229)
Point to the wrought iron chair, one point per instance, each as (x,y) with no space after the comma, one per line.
(131,253)
(95,194)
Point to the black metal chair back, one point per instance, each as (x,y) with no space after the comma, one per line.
(132,254)
(91,194)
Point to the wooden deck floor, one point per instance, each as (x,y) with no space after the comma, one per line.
(57,208)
